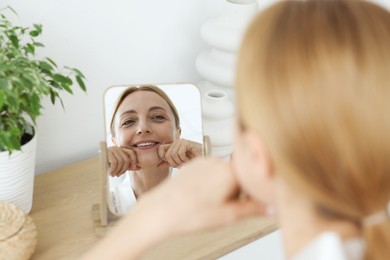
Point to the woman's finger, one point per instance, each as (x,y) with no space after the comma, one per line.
(173,153)
(133,161)
(125,162)
(121,159)
(179,152)
(162,149)
(183,148)
(113,162)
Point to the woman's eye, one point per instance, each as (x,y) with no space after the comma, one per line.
(128,122)
(158,118)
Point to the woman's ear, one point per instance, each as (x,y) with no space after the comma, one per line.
(254,167)
(178,133)
(259,155)
(113,140)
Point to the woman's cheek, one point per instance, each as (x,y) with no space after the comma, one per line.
(125,138)
(168,133)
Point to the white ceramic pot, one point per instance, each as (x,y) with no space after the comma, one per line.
(218,120)
(205,86)
(17,176)
(217,67)
(223,34)
(222,151)
(225,31)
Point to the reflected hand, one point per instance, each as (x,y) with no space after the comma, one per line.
(179,152)
(120,160)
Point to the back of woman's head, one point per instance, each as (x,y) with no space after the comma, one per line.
(314,81)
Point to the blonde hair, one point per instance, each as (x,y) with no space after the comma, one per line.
(150,88)
(314,81)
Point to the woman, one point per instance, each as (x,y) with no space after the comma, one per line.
(312,140)
(145,129)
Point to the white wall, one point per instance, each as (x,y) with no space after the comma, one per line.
(112,42)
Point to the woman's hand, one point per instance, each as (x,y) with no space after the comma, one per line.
(204,195)
(120,160)
(179,152)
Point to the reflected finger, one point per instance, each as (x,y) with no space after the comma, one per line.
(113,161)
(162,150)
(171,157)
(182,152)
(133,159)
(125,163)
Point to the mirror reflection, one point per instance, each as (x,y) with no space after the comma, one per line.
(151,130)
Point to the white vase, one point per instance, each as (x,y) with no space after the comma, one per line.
(205,86)
(225,31)
(17,176)
(223,34)
(218,120)
(217,67)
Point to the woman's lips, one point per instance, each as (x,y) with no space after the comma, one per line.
(145,145)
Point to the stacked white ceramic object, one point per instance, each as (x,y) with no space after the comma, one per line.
(217,66)
(218,119)
(17,176)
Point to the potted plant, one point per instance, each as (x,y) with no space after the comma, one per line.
(25,80)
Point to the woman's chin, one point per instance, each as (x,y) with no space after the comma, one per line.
(146,161)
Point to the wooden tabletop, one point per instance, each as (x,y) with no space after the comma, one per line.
(61,210)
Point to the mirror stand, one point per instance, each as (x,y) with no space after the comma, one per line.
(101,214)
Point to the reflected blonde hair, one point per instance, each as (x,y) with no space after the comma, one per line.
(314,81)
(150,88)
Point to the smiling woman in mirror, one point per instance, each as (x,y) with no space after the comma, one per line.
(145,130)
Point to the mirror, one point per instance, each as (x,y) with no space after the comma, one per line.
(157,128)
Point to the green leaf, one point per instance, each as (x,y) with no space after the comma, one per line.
(3,67)
(38,28)
(34,33)
(12,10)
(81,83)
(45,66)
(54,84)
(2,99)
(14,40)
(23,30)
(67,88)
(62,103)
(62,79)
(30,48)
(13,103)
(3,83)
(14,139)
(38,44)
(52,62)
(53,96)
(78,73)
(35,105)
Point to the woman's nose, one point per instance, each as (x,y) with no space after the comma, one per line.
(143,127)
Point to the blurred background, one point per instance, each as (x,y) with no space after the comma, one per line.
(113,43)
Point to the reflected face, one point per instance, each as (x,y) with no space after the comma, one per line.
(143,121)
